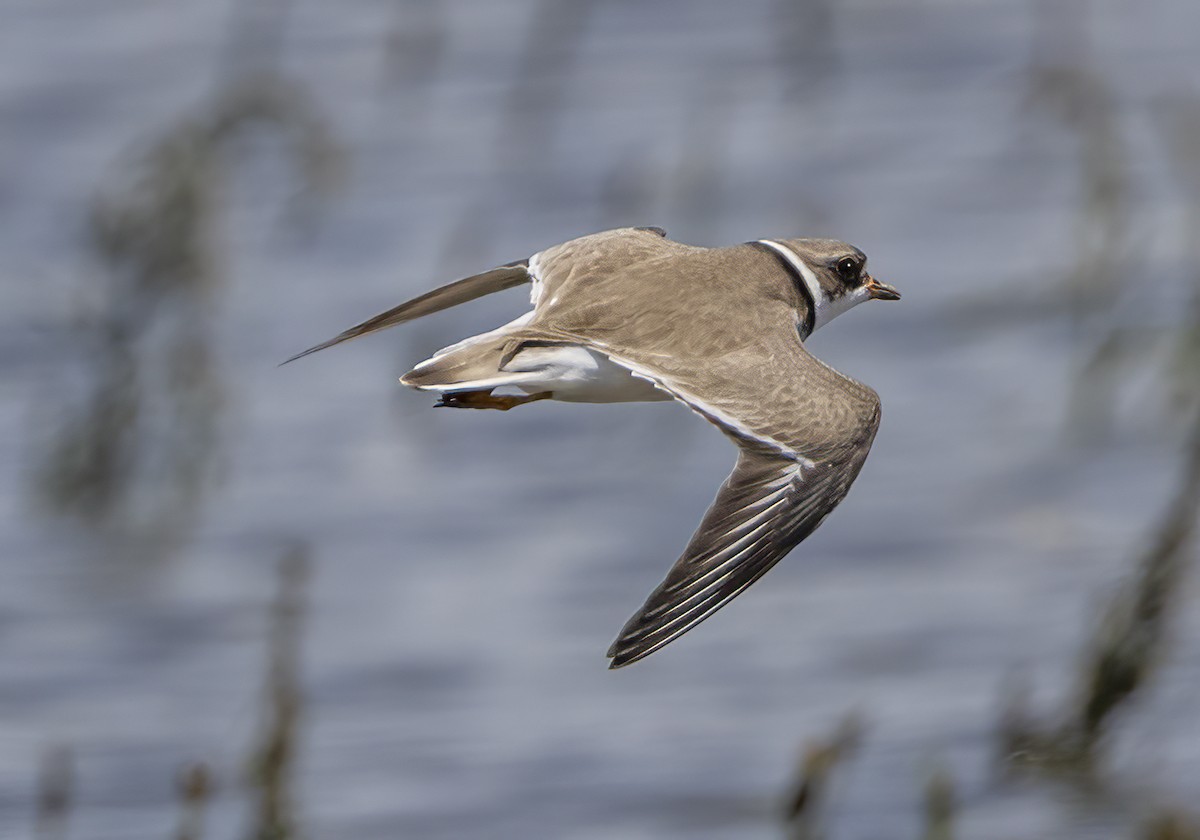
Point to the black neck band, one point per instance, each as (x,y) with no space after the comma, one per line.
(810,317)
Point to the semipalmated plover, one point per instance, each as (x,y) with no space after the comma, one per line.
(629,315)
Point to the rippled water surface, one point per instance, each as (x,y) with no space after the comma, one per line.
(470,568)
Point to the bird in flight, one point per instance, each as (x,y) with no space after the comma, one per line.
(630,315)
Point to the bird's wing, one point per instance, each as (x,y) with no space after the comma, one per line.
(547,268)
(803,432)
(461,291)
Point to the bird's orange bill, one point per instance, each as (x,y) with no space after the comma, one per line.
(881,291)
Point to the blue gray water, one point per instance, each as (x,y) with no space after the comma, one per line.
(470,567)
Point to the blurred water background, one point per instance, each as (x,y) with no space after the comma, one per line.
(191,192)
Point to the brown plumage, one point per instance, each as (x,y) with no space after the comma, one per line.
(631,315)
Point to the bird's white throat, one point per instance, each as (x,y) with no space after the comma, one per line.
(825,309)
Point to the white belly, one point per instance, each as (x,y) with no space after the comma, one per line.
(577,374)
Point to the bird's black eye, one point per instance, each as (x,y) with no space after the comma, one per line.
(848,268)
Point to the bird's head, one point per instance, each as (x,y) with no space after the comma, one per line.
(833,276)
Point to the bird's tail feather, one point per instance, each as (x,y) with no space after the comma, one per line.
(476,363)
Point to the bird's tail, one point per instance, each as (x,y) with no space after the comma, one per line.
(462,291)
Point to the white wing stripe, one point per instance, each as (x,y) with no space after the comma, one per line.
(753,530)
(734,550)
(700,595)
(707,411)
(714,576)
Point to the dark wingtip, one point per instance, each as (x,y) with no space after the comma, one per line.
(291,359)
(460,291)
(652,229)
(624,656)
(311,350)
